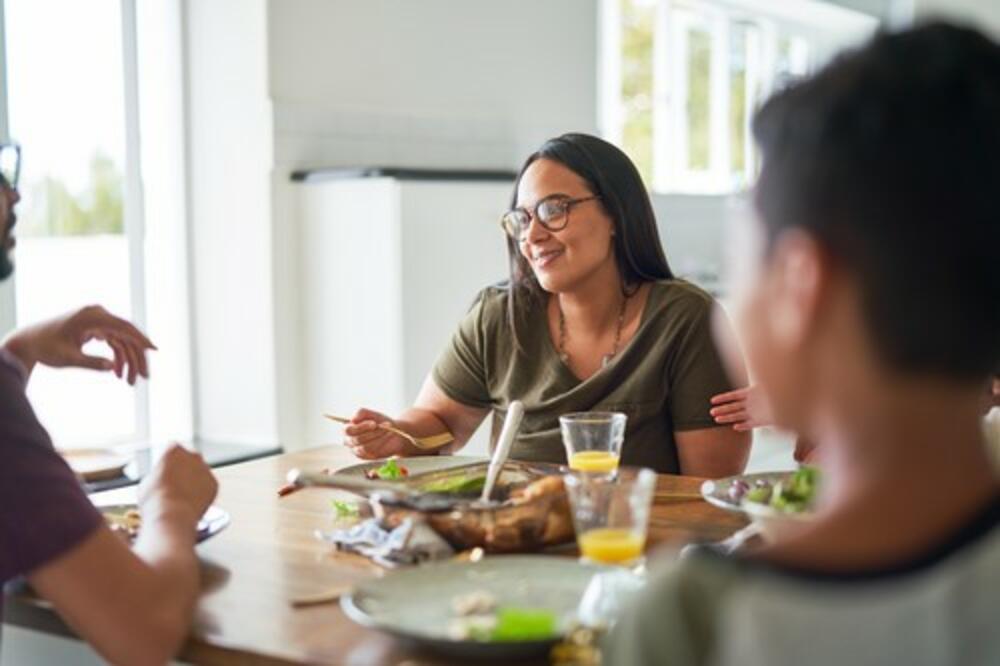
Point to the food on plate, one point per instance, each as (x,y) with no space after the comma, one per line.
(524,624)
(125,524)
(459,485)
(343,509)
(389,471)
(793,494)
(474,603)
(529,515)
(480,619)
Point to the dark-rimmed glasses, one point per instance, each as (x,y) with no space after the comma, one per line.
(552,212)
(10,164)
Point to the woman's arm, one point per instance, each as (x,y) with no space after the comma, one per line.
(432,413)
(712,452)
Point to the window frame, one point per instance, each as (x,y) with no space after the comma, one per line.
(820,25)
(133,209)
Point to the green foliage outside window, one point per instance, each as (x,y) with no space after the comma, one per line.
(98,209)
(699,100)
(638,24)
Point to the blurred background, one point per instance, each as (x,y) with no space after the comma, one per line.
(298,199)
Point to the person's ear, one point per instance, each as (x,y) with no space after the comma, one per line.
(798,272)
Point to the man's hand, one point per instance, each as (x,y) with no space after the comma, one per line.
(180,481)
(59,343)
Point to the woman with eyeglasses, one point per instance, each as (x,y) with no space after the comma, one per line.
(592,319)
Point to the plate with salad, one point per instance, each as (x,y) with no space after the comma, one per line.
(400,469)
(769,498)
(506,606)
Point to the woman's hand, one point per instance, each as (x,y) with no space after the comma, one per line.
(59,343)
(744,409)
(363,436)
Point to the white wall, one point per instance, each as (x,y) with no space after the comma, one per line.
(983,14)
(435,83)
(429,83)
(230,151)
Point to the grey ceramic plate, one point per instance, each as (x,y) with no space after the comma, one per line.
(214,521)
(717,491)
(415,604)
(416,464)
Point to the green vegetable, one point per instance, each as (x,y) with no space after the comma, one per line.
(344,509)
(456,485)
(796,493)
(389,471)
(760,495)
(524,624)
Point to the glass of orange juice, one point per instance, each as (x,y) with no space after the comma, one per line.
(611,513)
(593,440)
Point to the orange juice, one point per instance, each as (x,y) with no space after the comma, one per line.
(594,461)
(611,545)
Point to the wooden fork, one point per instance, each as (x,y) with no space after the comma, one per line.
(426,443)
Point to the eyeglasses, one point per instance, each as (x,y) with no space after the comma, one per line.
(10,164)
(552,212)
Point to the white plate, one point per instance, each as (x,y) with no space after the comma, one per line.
(212,522)
(415,464)
(415,604)
(96,464)
(716,491)
(769,521)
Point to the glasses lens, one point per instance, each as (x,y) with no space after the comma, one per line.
(515,223)
(9,164)
(552,210)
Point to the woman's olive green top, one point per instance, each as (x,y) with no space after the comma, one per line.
(663,379)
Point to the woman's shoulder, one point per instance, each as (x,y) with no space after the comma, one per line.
(677,298)
(679,289)
(491,301)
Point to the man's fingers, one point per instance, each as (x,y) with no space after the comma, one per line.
(120,358)
(94,362)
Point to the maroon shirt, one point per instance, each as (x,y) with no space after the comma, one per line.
(43,510)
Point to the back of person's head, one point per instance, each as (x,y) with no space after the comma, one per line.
(890,158)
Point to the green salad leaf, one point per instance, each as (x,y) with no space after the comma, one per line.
(796,493)
(523,624)
(344,509)
(456,485)
(389,471)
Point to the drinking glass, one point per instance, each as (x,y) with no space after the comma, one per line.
(593,440)
(611,514)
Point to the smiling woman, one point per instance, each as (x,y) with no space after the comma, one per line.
(591,319)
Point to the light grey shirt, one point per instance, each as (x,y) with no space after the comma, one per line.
(710,610)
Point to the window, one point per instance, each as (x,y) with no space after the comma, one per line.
(681,80)
(71,105)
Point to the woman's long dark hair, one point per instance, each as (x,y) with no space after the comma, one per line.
(612,176)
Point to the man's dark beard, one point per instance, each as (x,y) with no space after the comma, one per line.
(6,264)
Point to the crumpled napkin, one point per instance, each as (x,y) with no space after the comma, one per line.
(412,542)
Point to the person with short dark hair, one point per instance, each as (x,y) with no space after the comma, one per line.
(133,605)
(869,312)
(592,319)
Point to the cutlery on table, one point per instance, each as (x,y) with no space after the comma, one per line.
(325,597)
(511,423)
(427,443)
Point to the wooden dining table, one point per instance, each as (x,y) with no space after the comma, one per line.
(270,555)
